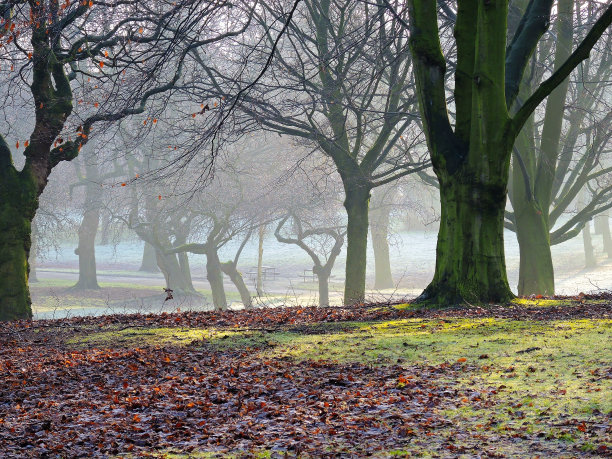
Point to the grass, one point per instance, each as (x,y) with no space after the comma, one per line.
(533,370)
(540,379)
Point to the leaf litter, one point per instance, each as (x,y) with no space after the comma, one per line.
(58,400)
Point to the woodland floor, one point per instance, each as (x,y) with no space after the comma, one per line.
(528,379)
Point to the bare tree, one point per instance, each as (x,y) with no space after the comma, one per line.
(341,80)
(79,64)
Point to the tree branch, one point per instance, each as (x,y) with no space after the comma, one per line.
(580,54)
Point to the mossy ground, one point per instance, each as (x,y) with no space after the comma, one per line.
(548,380)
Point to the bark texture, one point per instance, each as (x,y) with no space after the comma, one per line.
(356,204)
(14,267)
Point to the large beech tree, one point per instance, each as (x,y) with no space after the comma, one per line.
(471,158)
(84,62)
(551,165)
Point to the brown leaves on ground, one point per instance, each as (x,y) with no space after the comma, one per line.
(103,402)
(584,306)
(57,401)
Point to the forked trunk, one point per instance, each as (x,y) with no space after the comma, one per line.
(470,264)
(173,274)
(356,205)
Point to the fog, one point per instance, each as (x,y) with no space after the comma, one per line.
(283,154)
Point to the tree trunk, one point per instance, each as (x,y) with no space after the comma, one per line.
(601,226)
(183,260)
(323,278)
(14,267)
(230,270)
(470,263)
(605,232)
(259,284)
(214,274)
(356,205)
(18,204)
(87,251)
(536,272)
(536,275)
(589,255)
(379,229)
(149,261)
(323,289)
(173,274)
(597,224)
(88,230)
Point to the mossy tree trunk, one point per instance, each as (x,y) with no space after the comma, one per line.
(471,163)
(472,159)
(470,264)
(19,190)
(17,206)
(33,259)
(536,272)
(534,174)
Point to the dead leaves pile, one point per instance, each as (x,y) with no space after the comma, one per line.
(57,401)
(111,402)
